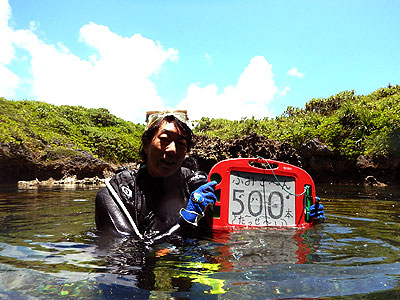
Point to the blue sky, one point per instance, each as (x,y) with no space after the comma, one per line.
(228,59)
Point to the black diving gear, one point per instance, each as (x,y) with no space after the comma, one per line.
(135,199)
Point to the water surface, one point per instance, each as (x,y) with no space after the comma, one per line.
(49,249)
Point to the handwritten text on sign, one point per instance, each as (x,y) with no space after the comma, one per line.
(260,200)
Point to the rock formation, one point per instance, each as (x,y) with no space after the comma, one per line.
(18,163)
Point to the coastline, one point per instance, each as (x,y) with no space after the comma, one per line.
(314,157)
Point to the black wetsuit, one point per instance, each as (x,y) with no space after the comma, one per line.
(153,203)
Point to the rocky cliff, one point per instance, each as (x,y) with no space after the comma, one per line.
(316,158)
(17,163)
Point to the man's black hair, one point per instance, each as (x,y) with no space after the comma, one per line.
(183,129)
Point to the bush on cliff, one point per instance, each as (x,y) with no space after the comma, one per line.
(352,125)
(53,132)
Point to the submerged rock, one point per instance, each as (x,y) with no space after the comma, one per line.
(379,170)
(372,181)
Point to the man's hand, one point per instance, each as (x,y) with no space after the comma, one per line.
(198,202)
(316,211)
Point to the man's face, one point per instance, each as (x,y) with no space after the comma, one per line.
(166,151)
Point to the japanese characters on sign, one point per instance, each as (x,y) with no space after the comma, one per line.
(257,199)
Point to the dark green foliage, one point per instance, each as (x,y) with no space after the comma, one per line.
(58,131)
(352,125)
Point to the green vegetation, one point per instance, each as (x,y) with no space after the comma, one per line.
(60,131)
(351,124)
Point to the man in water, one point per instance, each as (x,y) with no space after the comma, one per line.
(157,201)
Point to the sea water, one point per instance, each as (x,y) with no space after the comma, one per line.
(49,249)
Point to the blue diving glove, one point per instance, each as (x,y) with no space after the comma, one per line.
(316,211)
(198,202)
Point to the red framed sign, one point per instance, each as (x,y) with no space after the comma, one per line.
(256,192)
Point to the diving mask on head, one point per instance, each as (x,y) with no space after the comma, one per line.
(154,116)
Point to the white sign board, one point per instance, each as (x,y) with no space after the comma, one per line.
(260,200)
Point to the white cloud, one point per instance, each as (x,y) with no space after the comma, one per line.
(117,75)
(285,91)
(6,48)
(8,80)
(254,90)
(295,73)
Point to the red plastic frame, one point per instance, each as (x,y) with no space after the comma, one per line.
(221,173)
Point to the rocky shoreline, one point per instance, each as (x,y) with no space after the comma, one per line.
(316,158)
(67,181)
(19,165)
